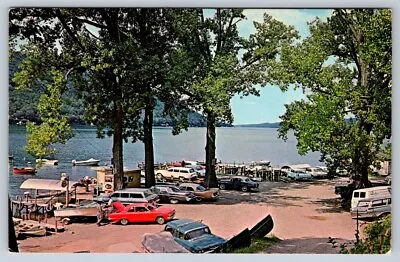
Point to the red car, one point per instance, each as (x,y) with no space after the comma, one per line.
(140,213)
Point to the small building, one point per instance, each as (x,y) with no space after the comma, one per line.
(105,179)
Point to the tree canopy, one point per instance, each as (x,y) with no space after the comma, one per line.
(344,68)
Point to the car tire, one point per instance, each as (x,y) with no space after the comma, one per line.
(160,220)
(222,186)
(160,177)
(174,201)
(198,199)
(244,188)
(66,221)
(124,221)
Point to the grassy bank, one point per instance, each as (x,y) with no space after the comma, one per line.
(258,245)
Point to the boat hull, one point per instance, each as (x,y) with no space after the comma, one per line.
(24,171)
(90,162)
(76,212)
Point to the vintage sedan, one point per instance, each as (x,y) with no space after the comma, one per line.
(172,194)
(194,236)
(200,192)
(238,183)
(140,213)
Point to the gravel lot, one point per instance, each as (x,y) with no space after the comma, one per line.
(305,215)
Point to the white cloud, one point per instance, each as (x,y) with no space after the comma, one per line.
(295,17)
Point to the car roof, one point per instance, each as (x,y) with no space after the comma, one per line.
(190,184)
(186,224)
(131,190)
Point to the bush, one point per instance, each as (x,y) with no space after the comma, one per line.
(377,240)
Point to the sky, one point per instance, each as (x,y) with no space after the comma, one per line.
(270,104)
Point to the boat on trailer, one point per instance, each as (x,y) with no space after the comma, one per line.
(89,162)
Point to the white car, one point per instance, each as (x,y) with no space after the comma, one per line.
(199,169)
(180,173)
(317,172)
(299,175)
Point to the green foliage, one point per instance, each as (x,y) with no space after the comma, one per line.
(258,245)
(377,240)
(345,74)
(55,127)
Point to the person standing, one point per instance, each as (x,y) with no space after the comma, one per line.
(100,213)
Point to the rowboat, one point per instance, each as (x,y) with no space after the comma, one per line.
(47,162)
(89,162)
(24,170)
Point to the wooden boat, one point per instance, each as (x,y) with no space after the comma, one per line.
(89,162)
(47,162)
(89,210)
(24,170)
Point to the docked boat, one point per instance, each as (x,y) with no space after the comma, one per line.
(47,162)
(24,170)
(89,162)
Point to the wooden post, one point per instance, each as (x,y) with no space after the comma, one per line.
(67,194)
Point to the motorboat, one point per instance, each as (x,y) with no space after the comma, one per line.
(24,170)
(89,162)
(47,162)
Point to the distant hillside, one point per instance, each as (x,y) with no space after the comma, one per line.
(261,125)
(23,105)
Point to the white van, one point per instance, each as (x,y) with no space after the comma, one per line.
(371,192)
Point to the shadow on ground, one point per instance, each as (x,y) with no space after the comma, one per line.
(330,205)
(269,192)
(308,246)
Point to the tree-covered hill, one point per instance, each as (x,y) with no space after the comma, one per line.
(23,103)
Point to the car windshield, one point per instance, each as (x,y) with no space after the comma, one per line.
(191,170)
(175,189)
(147,193)
(200,188)
(197,233)
(246,180)
(151,207)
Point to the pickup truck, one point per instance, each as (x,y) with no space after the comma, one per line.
(238,183)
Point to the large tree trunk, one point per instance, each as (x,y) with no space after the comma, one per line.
(148,146)
(118,148)
(211,178)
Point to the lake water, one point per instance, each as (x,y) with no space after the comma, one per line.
(234,145)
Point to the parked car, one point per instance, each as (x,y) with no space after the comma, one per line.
(238,183)
(317,172)
(129,195)
(173,173)
(140,213)
(194,236)
(200,192)
(172,194)
(199,169)
(299,175)
(372,208)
